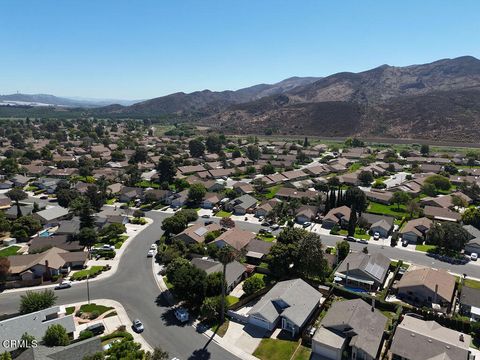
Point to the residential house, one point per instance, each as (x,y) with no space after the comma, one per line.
(416,230)
(306,213)
(5,203)
(470,303)
(196,233)
(337,216)
(289,304)
(52,214)
(24,268)
(47,184)
(473,244)
(236,238)
(235,272)
(367,271)
(422,286)
(63,242)
(417,339)
(35,324)
(264,208)
(191,169)
(241,205)
(63,173)
(68,227)
(243,188)
(157,195)
(286,193)
(75,351)
(210,200)
(257,250)
(353,324)
(6,184)
(128,194)
(439,213)
(382,224)
(379,196)
(20,180)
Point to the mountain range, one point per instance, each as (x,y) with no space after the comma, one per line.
(51,100)
(437,101)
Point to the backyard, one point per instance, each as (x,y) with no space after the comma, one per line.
(9,251)
(382,209)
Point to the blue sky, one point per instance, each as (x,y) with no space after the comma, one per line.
(141,49)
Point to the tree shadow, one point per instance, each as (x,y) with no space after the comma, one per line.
(200,354)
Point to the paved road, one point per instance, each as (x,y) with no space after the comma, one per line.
(134,287)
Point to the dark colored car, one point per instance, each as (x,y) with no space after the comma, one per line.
(96,329)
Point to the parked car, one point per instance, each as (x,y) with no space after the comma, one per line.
(275,227)
(96,329)
(137,326)
(181,314)
(107,247)
(350,238)
(153,247)
(307,224)
(311,331)
(363,241)
(376,236)
(206,216)
(208,222)
(151,253)
(65,284)
(474,256)
(265,223)
(404,243)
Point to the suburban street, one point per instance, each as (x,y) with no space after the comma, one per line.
(133,285)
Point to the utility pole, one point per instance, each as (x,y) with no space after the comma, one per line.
(88,290)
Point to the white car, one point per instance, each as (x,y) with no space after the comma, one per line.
(107,247)
(65,284)
(153,247)
(474,256)
(181,314)
(376,236)
(151,253)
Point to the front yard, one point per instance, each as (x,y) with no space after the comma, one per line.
(392,210)
(424,248)
(276,349)
(223,214)
(91,272)
(359,234)
(9,251)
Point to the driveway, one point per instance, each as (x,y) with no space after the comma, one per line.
(246,337)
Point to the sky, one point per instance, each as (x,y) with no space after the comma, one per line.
(139,49)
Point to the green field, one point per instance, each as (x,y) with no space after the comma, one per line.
(223,214)
(9,251)
(392,210)
(425,248)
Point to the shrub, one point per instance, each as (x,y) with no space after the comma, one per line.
(252,285)
(56,335)
(85,334)
(94,314)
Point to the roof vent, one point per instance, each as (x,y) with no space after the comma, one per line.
(461,338)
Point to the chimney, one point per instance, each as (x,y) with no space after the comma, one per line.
(461,338)
(436,292)
(373,304)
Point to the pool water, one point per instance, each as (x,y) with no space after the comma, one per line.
(44,233)
(357,290)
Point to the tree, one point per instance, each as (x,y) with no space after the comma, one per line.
(352,222)
(365,177)
(400,198)
(87,237)
(56,335)
(95,196)
(189,214)
(214,284)
(343,248)
(28,224)
(459,202)
(282,258)
(292,235)
(211,307)
(5,356)
(253,152)
(27,341)
(66,196)
(166,169)
(425,149)
(253,284)
(213,143)
(17,195)
(196,147)
(471,216)
(225,256)
(412,207)
(4,269)
(139,156)
(440,182)
(429,189)
(448,235)
(33,301)
(268,169)
(356,199)
(158,354)
(196,193)
(227,222)
(82,207)
(125,349)
(174,225)
(189,282)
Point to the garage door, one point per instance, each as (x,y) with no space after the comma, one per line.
(259,322)
(324,352)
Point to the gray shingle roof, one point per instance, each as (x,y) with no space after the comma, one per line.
(300,298)
(76,351)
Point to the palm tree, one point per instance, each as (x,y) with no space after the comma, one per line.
(225,256)
(17,195)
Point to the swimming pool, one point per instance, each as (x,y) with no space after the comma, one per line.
(354,289)
(44,233)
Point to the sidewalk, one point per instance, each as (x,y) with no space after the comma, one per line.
(111,322)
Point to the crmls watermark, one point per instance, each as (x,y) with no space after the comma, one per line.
(15,344)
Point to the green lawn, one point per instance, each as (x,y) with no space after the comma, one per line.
(424,248)
(272,191)
(232,300)
(354,167)
(168,283)
(111,201)
(472,283)
(223,214)
(393,210)
(303,353)
(221,329)
(9,251)
(266,237)
(69,310)
(94,270)
(357,235)
(88,308)
(275,349)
